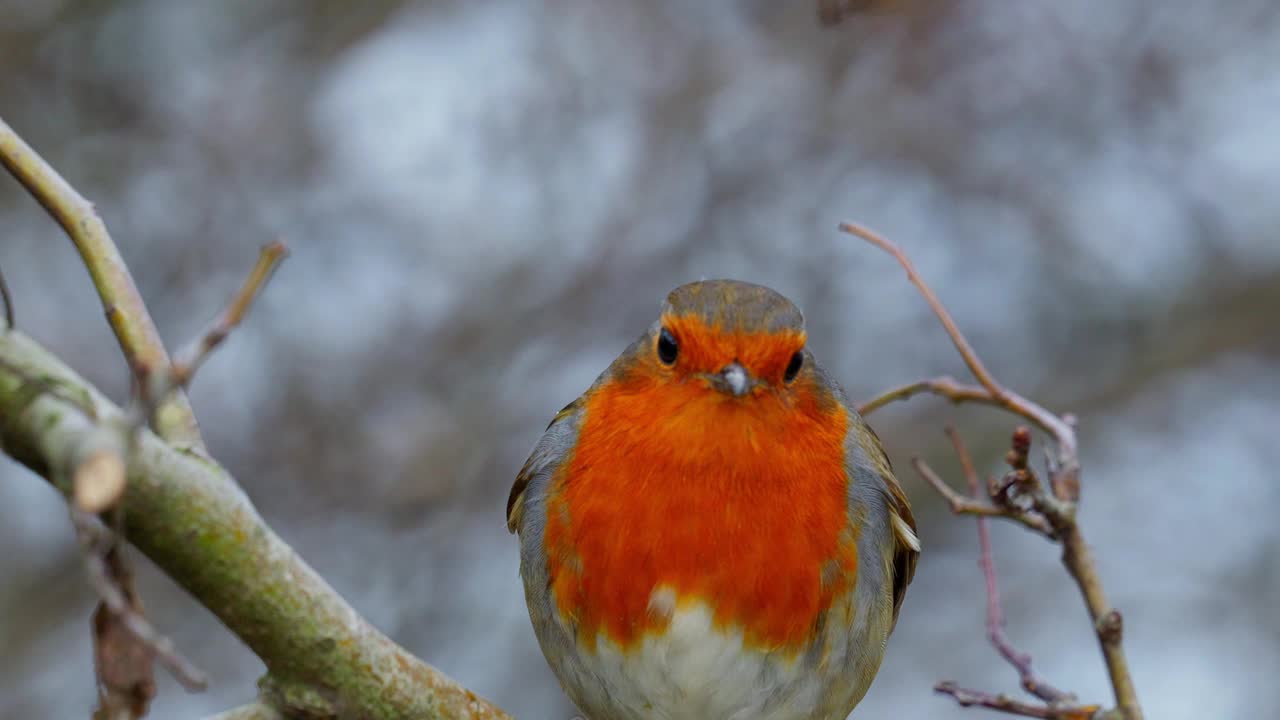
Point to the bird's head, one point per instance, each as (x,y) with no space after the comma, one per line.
(730,337)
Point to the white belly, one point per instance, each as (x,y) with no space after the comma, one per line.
(695,671)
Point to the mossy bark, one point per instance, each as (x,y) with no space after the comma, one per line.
(190,517)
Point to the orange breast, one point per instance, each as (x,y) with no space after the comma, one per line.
(736,502)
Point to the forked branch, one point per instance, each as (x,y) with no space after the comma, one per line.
(185,512)
(1021,497)
(991,391)
(126,312)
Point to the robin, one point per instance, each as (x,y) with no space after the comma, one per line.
(711,531)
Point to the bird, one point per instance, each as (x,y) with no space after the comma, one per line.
(711,531)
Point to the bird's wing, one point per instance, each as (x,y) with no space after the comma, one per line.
(903,524)
(547,453)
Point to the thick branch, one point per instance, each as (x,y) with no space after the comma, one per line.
(125,311)
(192,520)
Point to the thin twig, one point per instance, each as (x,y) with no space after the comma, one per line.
(97,541)
(125,310)
(966,462)
(152,386)
(962,505)
(945,386)
(997,394)
(187,361)
(1005,704)
(970,357)
(1058,508)
(1020,661)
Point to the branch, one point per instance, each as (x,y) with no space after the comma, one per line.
(961,505)
(1006,704)
(970,357)
(1042,514)
(1020,661)
(193,356)
(111,580)
(125,310)
(186,513)
(1056,508)
(189,516)
(991,392)
(944,386)
(125,643)
(122,663)
(154,385)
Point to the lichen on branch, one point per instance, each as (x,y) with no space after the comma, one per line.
(189,517)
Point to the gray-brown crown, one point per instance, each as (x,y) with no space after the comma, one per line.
(735,305)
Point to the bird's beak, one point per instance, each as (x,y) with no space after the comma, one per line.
(734,379)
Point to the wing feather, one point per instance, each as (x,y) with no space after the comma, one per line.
(906,551)
(536,463)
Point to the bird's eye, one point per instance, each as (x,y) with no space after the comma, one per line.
(793,367)
(667,349)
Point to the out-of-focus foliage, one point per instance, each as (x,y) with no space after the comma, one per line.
(487,201)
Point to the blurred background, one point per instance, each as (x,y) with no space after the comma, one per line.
(487,201)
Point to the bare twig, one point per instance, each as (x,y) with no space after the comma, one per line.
(189,360)
(1059,704)
(1020,661)
(944,386)
(970,357)
(962,505)
(966,463)
(125,310)
(110,578)
(123,665)
(153,385)
(1056,507)
(996,394)
(1006,704)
